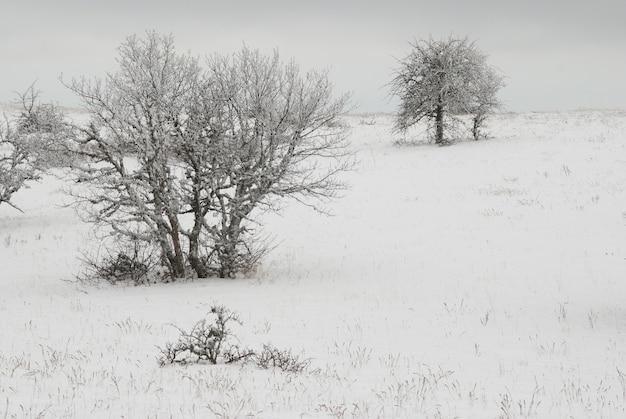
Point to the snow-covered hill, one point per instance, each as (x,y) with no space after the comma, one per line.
(485,280)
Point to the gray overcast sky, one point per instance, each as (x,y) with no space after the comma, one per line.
(556,55)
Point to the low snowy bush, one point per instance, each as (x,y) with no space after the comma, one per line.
(131,263)
(209,342)
(283,359)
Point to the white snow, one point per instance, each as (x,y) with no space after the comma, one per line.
(481,280)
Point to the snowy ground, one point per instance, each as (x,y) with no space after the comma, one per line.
(481,280)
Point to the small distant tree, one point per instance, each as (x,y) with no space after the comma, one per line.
(47,128)
(483,96)
(438,81)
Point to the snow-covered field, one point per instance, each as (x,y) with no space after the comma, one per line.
(481,280)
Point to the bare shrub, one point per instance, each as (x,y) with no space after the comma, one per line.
(285,360)
(209,341)
(129,262)
(206,341)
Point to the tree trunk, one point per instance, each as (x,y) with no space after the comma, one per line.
(228,257)
(194,248)
(178,264)
(475,128)
(167,253)
(479,118)
(439,124)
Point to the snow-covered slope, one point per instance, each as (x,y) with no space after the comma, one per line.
(482,280)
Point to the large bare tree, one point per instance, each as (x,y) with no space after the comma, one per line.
(270,133)
(129,144)
(442,79)
(181,156)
